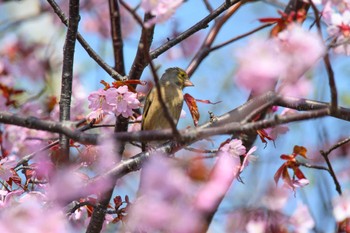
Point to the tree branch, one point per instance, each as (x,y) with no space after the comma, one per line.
(198,26)
(85,44)
(116,36)
(209,40)
(67,76)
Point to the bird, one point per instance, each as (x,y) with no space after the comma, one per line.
(172,82)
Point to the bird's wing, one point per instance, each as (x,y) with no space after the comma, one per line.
(148,103)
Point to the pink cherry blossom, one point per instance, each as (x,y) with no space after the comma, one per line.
(164,200)
(275,198)
(276,131)
(161,9)
(264,63)
(225,170)
(134,127)
(97,100)
(122,101)
(259,65)
(341,207)
(302,219)
(30,211)
(248,158)
(6,164)
(234,148)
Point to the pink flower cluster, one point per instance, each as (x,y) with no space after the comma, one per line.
(282,60)
(162,10)
(336,15)
(119,101)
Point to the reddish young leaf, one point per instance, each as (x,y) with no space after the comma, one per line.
(263,135)
(300,150)
(104,83)
(192,105)
(117,202)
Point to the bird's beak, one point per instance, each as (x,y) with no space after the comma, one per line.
(188,83)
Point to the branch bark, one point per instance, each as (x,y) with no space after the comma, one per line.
(67,76)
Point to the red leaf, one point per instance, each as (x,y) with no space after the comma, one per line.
(269,20)
(192,105)
(279,172)
(298,173)
(300,150)
(117,202)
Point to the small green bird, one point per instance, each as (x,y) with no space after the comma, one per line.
(173,81)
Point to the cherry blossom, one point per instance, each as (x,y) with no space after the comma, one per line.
(119,101)
(341,208)
(122,101)
(6,164)
(164,200)
(161,9)
(30,211)
(286,58)
(302,219)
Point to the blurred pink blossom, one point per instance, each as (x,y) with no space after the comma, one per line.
(164,202)
(134,127)
(6,164)
(302,219)
(234,148)
(256,226)
(225,170)
(259,65)
(31,213)
(275,198)
(26,142)
(161,9)
(277,130)
(3,101)
(341,207)
(286,58)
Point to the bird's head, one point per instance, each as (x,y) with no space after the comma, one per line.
(178,76)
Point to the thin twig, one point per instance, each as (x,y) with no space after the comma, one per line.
(200,150)
(85,44)
(198,26)
(327,62)
(331,172)
(26,158)
(240,37)
(208,6)
(313,166)
(339,144)
(209,40)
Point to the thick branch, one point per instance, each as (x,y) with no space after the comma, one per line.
(233,117)
(67,74)
(141,61)
(116,36)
